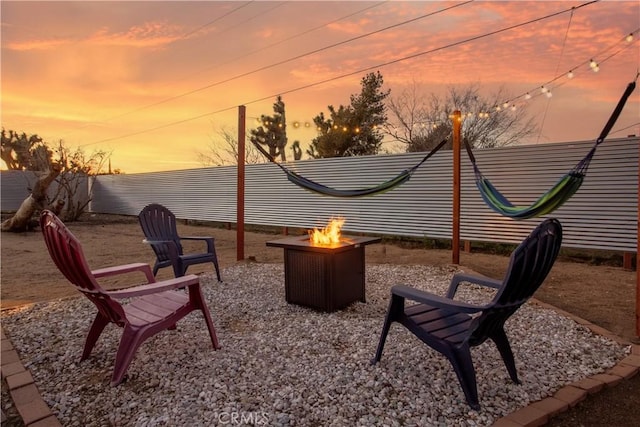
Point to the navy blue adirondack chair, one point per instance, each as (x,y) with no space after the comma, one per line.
(453,327)
(160,230)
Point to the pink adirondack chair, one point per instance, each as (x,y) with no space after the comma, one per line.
(152,307)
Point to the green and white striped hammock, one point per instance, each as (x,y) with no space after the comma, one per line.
(557,195)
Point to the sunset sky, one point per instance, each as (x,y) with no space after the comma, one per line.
(153,81)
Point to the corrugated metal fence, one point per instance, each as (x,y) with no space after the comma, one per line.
(602,215)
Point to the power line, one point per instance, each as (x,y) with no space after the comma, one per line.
(144,107)
(310,30)
(216,20)
(564,43)
(362,70)
(285,61)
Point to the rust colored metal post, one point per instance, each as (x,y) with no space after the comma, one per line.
(242,115)
(455,226)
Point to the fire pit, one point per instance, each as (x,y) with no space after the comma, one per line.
(324,277)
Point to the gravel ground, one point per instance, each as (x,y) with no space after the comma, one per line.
(282,364)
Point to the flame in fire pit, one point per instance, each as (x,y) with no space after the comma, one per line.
(329,235)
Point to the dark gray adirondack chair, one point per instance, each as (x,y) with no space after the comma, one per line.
(160,229)
(449,327)
(150,308)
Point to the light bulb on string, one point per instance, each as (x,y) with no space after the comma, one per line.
(596,68)
(505,105)
(593,64)
(629,38)
(570,74)
(543,89)
(527,96)
(513,107)
(549,94)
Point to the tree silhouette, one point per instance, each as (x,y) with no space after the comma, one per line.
(422,122)
(273,131)
(353,130)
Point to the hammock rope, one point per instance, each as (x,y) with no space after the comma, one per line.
(315,187)
(560,192)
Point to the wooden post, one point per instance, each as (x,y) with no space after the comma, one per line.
(638,258)
(455,226)
(627,261)
(242,114)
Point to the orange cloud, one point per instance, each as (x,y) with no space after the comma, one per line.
(149,34)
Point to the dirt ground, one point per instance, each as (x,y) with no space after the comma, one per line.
(602,294)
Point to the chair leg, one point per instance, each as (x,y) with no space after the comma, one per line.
(396,306)
(460,358)
(178,269)
(96,329)
(196,299)
(215,264)
(501,340)
(129,343)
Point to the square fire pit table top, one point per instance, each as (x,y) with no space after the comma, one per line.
(304,243)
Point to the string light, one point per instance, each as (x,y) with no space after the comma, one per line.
(511,104)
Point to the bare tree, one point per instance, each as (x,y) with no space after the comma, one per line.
(78,167)
(69,169)
(421,122)
(224,150)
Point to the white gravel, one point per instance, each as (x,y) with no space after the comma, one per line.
(282,364)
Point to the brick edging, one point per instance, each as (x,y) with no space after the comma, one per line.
(25,395)
(36,413)
(541,412)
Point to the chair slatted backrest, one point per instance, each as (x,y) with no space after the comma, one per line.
(66,252)
(159,223)
(529,266)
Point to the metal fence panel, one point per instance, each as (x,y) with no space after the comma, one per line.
(602,215)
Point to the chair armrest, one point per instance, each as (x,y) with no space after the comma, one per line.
(172,248)
(435,300)
(126,268)
(208,240)
(157,287)
(474,279)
